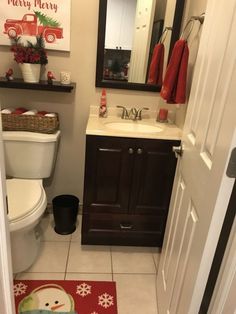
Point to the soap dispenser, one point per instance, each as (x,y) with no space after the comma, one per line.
(103,105)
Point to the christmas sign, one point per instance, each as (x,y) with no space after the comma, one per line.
(29,18)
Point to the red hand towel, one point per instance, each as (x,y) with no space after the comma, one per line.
(174,85)
(156,65)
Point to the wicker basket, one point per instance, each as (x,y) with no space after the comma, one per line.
(34,123)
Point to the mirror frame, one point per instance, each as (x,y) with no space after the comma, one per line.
(100,82)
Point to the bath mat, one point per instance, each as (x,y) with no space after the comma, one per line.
(65,297)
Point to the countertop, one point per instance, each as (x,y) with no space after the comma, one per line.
(100,126)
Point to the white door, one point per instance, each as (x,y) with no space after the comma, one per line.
(201,189)
(6,280)
(141,42)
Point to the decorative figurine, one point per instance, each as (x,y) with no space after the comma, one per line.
(50,77)
(8,75)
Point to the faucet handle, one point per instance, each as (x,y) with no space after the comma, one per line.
(124,114)
(139,113)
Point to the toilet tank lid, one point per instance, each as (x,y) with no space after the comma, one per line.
(30,136)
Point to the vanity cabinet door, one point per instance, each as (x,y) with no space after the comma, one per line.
(153,175)
(127,190)
(108,174)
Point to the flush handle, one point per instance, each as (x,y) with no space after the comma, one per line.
(178,150)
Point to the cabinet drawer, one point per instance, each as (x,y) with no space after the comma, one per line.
(123,229)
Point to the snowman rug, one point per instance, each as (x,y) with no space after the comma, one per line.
(65,297)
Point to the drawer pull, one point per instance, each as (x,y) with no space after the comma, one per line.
(139,151)
(126,226)
(131,151)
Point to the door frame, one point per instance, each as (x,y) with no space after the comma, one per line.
(6,274)
(223,299)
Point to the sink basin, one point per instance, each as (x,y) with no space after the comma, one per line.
(133,126)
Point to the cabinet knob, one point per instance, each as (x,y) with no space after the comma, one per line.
(131,151)
(139,151)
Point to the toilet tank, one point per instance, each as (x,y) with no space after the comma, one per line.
(29,155)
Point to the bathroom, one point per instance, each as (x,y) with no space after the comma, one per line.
(73,110)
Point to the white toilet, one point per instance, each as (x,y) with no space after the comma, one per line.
(29,157)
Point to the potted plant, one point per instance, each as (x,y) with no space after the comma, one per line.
(30,57)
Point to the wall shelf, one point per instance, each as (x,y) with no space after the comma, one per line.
(42,85)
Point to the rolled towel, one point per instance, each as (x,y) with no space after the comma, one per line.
(42,113)
(30,112)
(19,110)
(7,110)
(50,114)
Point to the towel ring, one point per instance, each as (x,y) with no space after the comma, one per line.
(164,34)
(191,23)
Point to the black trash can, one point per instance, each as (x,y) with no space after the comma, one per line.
(65,210)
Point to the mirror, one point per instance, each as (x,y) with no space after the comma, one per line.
(117,46)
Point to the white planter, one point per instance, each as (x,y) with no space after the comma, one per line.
(30,72)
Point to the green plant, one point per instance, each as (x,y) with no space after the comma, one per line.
(30,52)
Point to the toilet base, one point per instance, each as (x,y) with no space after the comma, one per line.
(25,247)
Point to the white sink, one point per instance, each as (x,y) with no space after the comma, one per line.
(133,126)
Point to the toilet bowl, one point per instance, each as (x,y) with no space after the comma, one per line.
(26,204)
(29,157)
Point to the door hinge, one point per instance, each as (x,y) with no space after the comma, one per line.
(231,169)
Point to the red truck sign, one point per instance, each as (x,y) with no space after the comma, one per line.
(29,26)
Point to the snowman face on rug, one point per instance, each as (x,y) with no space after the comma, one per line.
(49,298)
(53,299)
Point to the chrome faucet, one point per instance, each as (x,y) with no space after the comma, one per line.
(139,113)
(125,114)
(134,114)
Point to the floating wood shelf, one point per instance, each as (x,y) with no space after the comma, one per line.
(42,85)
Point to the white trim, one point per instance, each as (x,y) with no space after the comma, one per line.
(6,279)
(223,299)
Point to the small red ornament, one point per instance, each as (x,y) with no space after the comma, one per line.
(50,77)
(8,75)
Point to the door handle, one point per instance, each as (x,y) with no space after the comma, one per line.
(131,151)
(178,150)
(139,151)
(126,226)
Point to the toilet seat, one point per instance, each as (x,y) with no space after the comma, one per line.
(26,202)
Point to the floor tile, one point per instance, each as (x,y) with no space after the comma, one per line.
(52,257)
(76,236)
(89,259)
(90,277)
(133,260)
(40,276)
(47,228)
(136,294)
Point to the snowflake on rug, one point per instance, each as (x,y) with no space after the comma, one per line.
(105,300)
(19,289)
(83,289)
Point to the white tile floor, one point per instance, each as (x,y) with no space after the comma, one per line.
(133,268)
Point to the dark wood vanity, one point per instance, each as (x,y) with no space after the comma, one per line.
(127,189)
